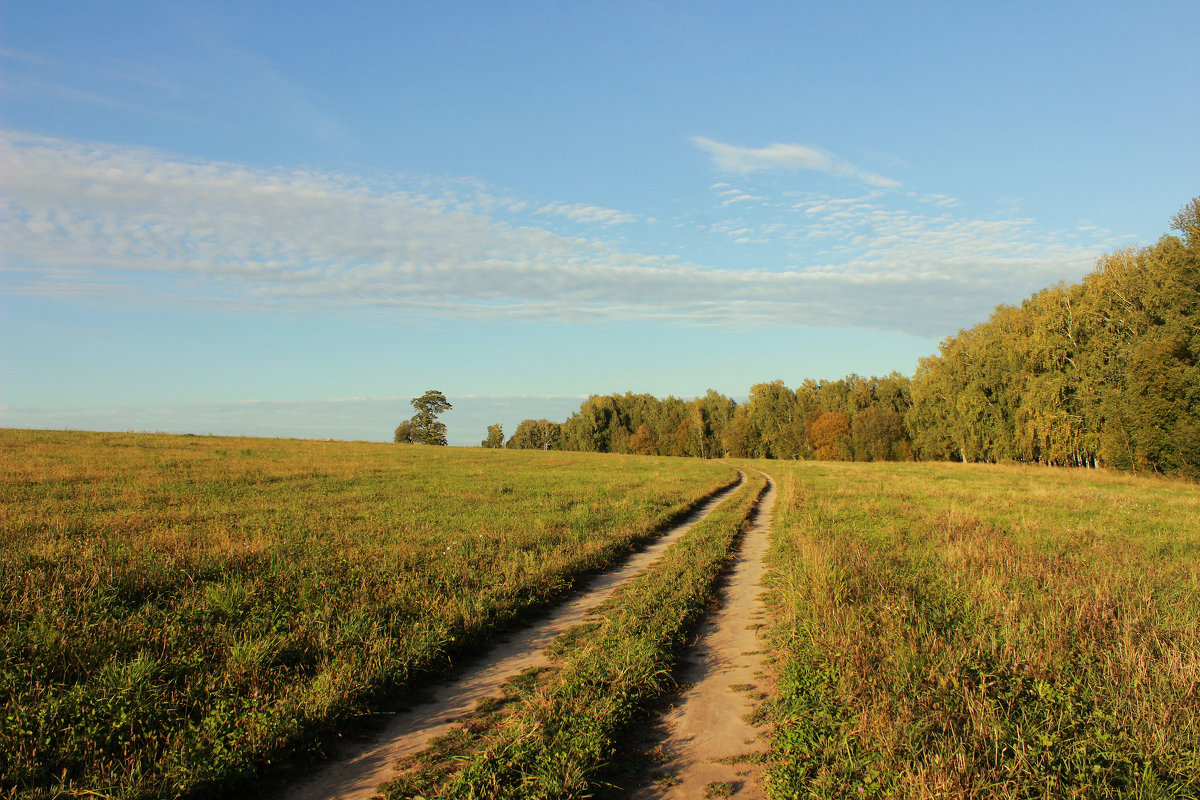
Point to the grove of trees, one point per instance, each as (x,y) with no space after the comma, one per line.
(1105,372)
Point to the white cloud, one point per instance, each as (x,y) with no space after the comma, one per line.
(943,200)
(734,158)
(577,212)
(730,195)
(132,225)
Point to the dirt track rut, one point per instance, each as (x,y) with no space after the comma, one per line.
(724,672)
(360,770)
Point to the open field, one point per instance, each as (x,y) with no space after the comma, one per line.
(179,612)
(973,631)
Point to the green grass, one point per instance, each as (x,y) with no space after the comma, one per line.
(561,736)
(971,631)
(178,614)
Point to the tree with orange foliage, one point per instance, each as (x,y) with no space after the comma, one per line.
(643,441)
(829,436)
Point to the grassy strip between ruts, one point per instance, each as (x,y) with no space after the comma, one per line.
(179,614)
(958,631)
(560,734)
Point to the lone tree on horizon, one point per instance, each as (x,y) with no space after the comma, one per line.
(424,426)
(495,437)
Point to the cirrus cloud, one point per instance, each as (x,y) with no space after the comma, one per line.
(734,158)
(134,225)
(579,212)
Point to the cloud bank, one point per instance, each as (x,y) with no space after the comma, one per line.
(131,225)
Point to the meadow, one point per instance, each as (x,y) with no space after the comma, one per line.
(948,630)
(181,614)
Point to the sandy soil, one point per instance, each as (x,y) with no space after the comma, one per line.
(708,722)
(360,769)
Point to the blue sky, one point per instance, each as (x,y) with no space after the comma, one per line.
(290,218)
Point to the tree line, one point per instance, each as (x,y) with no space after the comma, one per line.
(853,419)
(1105,372)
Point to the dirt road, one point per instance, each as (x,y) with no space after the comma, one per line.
(358,772)
(706,729)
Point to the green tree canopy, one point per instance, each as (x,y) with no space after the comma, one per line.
(495,437)
(424,427)
(537,434)
(1104,372)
